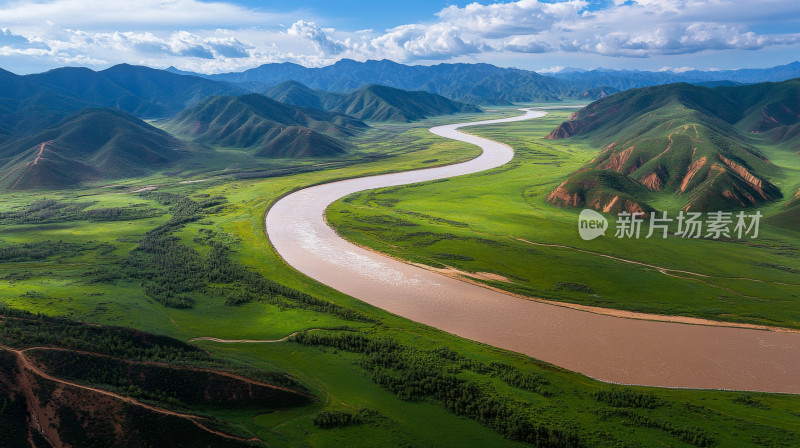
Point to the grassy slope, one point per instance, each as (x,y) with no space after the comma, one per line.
(89,145)
(255,121)
(333,375)
(382,103)
(680,141)
(512,207)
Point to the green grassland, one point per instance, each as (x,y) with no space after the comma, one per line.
(386,381)
(498,221)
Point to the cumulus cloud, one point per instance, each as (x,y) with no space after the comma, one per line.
(634,29)
(315,33)
(188,34)
(411,42)
(523,17)
(15,41)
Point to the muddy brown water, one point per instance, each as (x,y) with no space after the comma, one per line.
(608,348)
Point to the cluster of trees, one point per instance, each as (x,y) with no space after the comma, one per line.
(529,381)
(749,400)
(338,419)
(171,272)
(621,397)
(46,211)
(22,329)
(15,252)
(414,374)
(575,287)
(177,387)
(689,434)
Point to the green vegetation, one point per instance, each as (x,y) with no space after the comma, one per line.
(382,103)
(371,103)
(380,380)
(683,146)
(500,222)
(90,145)
(151,370)
(273,129)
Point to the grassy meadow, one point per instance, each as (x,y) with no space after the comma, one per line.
(498,221)
(383,380)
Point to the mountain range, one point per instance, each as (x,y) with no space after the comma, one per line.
(469,83)
(696,143)
(484,83)
(274,129)
(89,145)
(72,125)
(44,116)
(372,102)
(629,79)
(34,102)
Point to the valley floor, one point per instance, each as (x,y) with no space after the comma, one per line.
(382,380)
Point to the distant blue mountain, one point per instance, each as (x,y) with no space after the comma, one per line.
(31,103)
(630,79)
(484,83)
(467,83)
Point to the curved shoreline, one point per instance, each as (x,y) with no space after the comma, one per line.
(608,348)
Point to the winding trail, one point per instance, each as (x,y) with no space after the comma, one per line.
(196,419)
(608,348)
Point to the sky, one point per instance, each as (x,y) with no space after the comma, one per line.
(541,35)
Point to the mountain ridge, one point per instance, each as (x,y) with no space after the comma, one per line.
(691,140)
(91,144)
(254,121)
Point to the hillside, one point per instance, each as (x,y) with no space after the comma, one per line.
(382,103)
(92,144)
(372,102)
(64,383)
(274,129)
(468,83)
(629,79)
(32,103)
(485,83)
(296,94)
(140,91)
(690,141)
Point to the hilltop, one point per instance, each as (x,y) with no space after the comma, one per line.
(274,129)
(31,103)
(89,145)
(695,142)
(372,102)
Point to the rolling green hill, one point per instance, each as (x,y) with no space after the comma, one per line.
(32,103)
(140,91)
(92,144)
(296,94)
(381,103)
(372,102)
(697,144)
(274,129)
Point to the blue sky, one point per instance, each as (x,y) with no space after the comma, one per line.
(543,35)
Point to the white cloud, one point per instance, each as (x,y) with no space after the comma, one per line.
(633,29)
(147,13)
(221,36)
(315,33)
(676,69)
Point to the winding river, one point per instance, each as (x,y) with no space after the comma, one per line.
(608,348)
